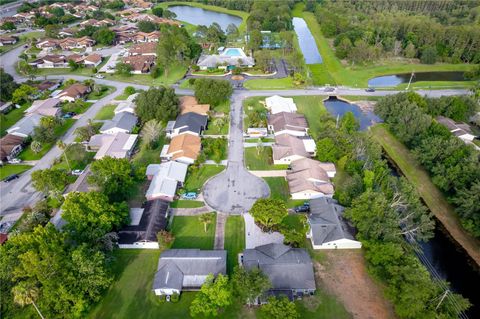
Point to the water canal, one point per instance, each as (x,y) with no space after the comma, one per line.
(337,107)
(395,79)
(306,41)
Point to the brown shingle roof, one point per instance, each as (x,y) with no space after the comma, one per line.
(185,145)
(288,145)
(308,174)
(287,121)
(190,104)
(7,143)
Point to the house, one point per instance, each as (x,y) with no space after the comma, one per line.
(48,107)
(183,148)
(147,48)
(144,227)
(327,231)
(47,44)
(73,92)
(187,269)
(289,148)
(276,104)
(47,85)
(7,40)
(81,184)
(10,147)
(119,145)
(309,179)
(460,130)
(145,37)
(24,128)
(5,107)
(51,61)
(76,43)
(123,122)
(140,63)
(92,60)
(228,59)
(165,179)
(126,106)
(189,104)
(192,123)
(65,33)
(290,270)
(288,123)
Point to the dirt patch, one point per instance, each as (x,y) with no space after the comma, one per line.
(344,274)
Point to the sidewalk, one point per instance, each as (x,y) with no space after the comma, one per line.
(272,173)
(220,231)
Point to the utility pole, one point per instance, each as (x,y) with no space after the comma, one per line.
(410,81)
(441,299)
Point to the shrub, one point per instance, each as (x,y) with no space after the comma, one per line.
(191,81)
(129,90)
(174,298)
(195,67)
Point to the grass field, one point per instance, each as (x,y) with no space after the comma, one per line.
(189,233)
(195,181)
(261,161)
(12,117)
(269,84)
(432,196)
(278,188)
(174,74)
(7,170)
(312,107)
(106,112)
(104,91)
(187,204)
(234,240)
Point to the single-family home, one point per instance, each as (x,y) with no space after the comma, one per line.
(140,63)
(308,178)
(327,229)
(118,145)
(288,123)
(289,148)
(47,85)
(144,226)
(165,178)
(10,147)
(6,107)
(276,104)
(24,127)
(187,269)
(92,60)
(122,122)
(460,130)
(189,104)
(228,59)
(50,61)
(126,106)
(76,43)
(73,92)
(48,107)
(147,48)
(183,148)
(7,40)
(290,270)
(66,32)
(47,44)
(81,184)
(192,123)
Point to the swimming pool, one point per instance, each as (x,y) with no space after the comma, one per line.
(232,52)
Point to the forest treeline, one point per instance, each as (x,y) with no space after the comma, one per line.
(432,31)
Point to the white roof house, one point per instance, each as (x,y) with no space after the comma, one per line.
(25,126)
(122,122)
(165,178)
(277,104)
(229,57)
(119,145)
(48,107)
(127,106)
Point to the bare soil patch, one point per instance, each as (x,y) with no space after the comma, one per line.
(344,274)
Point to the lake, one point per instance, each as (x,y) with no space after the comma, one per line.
(199,16)
(338,107)
(306,41)
(395,79)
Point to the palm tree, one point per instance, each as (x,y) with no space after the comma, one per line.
(206,219)
(36,146)
(25,294)
(151,132)
(61,145)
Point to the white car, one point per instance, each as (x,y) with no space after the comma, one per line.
(15,161)
(99,76)
(77,172)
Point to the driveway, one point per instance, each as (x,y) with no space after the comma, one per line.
(254,236)
(235,190)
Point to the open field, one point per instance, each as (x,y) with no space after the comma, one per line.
(195,181)
(190,233)
(187,204)
(8,169)
(278,188)
(432,196)
(106,112)
(174,75)
(260,160)
(312,107)
(269,84)
(234,240)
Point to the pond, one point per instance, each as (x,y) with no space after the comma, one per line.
(306,41)
(395,79)
(199,16)
(337,107)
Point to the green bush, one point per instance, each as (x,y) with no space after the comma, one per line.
(129,90)
(191,81)
(174,298)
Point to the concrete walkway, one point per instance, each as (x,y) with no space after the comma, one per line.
(272,173)
(220,231)
(190,211)
(210,162)
(264,144)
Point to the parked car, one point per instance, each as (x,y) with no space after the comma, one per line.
(77,172)
(329,89)
(302,209)
(15,161)
(189,195)
(99,76)
(69,115)
(370,90)
(11,178)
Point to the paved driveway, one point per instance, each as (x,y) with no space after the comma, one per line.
(255,237)
(235,190)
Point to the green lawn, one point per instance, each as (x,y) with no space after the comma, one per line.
(269,84)
(432,196)
(313,108)
(196,179)
(7,170)
(146,155)
(253,106)
(79,107)
(218,129)
(174,74)
(106,112)
(79,71)
(278,188)
(15,115)
(190,233)
(260,160)
(187,204)
(28,155)
(104,91)
(234,240)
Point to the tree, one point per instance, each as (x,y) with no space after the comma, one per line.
(255,40)
(52,30)
(57,11)
(36,146)
(280,308)
(123,69)
(349,123)
(7,86)
(268,212)
(151,132)
(61,145)
(8,26)
(50,181)
(24,93)
(158,11)
(214,294)
(410,51)
(114,176)
(73,65)
(263,58)
(89,216)
(147,26)
(27,69)
(344,48)
(206,219)
(104,36)
(25,294)
(158,103)
(165,239)
(327,150)
(429,55)
(129,90)
(84,133)
(213,92)
(232,30)
(248,285)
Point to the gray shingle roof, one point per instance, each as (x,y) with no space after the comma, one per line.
(286,267)
(191,122)
(123,120)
